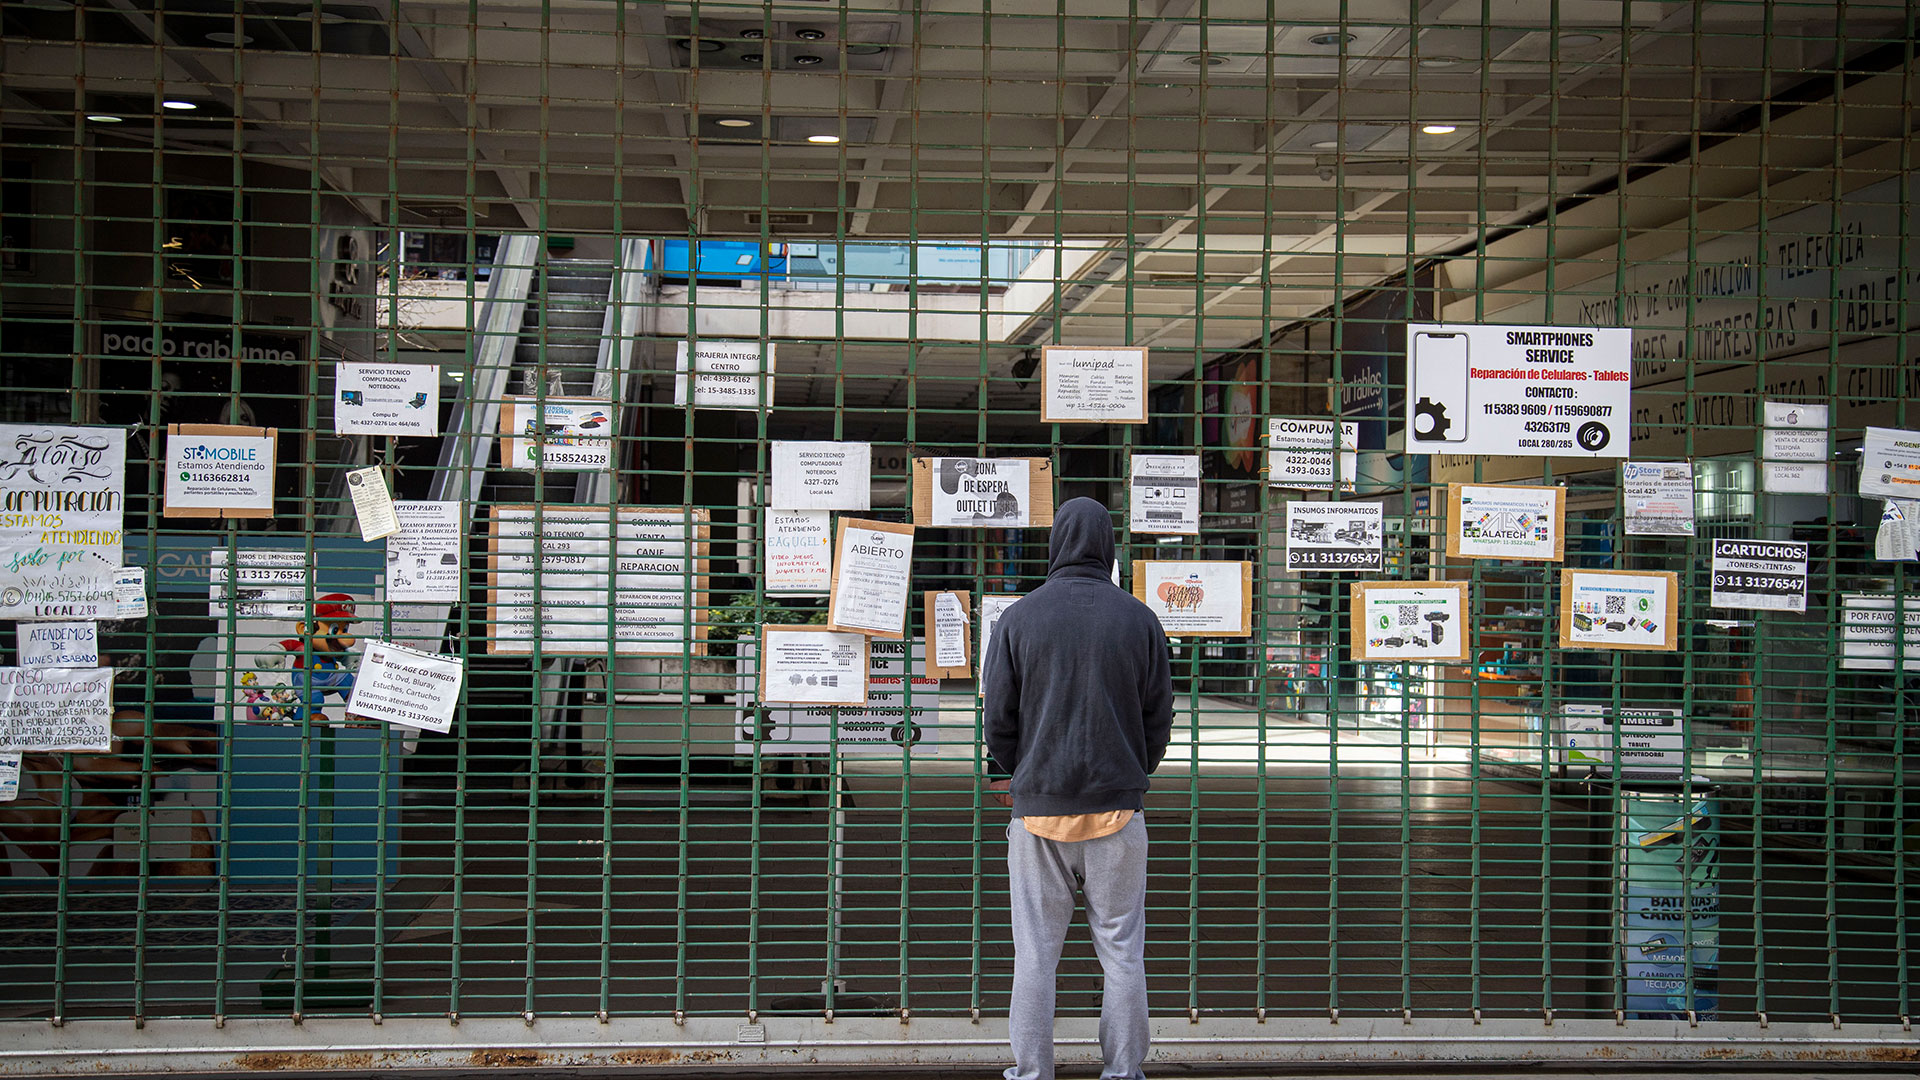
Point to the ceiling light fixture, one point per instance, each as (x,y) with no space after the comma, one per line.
(1327,144)
(227,37)
(806,60)
(865,48)
(1329,39)
(753,33)
(810,34)
(752,57)
(734,122)
(179,106)
(1203,60)
(104,118)
(1438,129)
(823,138)
(1440,61)
(706,44)
(1579,41)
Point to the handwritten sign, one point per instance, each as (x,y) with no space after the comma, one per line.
(1197,599)
(54,709)
(62,490)
(799,552)
(59,645)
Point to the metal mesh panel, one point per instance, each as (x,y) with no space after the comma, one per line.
(209,209)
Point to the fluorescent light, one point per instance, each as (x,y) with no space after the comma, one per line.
(1327,144)
(179,106)
(1579,41)
(823,138)
(1438,129)
(104,118)
(734,122)
(227,37)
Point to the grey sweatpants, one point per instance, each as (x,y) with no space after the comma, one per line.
(1111,872)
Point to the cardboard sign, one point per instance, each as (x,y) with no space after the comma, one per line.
(1093,386)
(556,434)
(936,483)
(1506,521)
(949,640)
(872,571)
(218,470)
(1523,391)
(1408,620)
(1197,599)
(60,538)
(1619,609)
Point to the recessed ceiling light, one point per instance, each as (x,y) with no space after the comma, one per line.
(225,37)
(806,60)
(332,18)
(809,34)
(1440,61)
(866,48)
(1203,60)
(823,138)
(1579,41)
(1333,38)
(734,122)
(1327,144)
(1438,129)
(706,44)
(179,106)
(104,118)
(753,33)
(752,57)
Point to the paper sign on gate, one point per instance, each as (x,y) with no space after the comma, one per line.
(799,552)
(723,374)
(822,475)
(386,399)
(54,709)
(1165,494)
(405,686)
(1793,448)
(60,548)
(423,558)
(1522,391)
(1093,386)
(218,470)
(59,645)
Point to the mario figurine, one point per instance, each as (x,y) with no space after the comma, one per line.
(317,662)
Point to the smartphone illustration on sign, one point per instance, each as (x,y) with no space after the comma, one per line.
(1439,387)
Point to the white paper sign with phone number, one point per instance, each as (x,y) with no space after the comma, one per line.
(1525,391)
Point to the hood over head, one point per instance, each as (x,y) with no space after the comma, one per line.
(1082,540)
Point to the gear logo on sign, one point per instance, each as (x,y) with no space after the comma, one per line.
(1430,422)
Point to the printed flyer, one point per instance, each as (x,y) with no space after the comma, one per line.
(423,558)
(557,434)
(893,711)
(822,475)
(1759,575)
(1619,609)
(1793,448)
(812,665)
(1524,391)
(9,777)
(1506,521)
(214,470)
(1301,453)
(723,374)
(1658,497)
(947,622)
(1166,494)
(1890,463)
(130,593)
(981,492)
(386,399)
(1866,631)
(872,569)
(55,709)
(1093,386)
(551,578)
(1408,620)
(1644,742)
(62,490)
(403,686)
(1335,536)
(1197,599)
(799,552)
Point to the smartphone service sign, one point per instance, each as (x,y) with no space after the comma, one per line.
(1527,391)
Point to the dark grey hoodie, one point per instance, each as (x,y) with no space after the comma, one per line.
(1079,701)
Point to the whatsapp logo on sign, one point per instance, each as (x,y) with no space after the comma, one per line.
(1385,622)
(186,476)
(1645,603)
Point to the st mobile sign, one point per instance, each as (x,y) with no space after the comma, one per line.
(1524,391)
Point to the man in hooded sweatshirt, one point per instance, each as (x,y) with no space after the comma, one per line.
(1079,708)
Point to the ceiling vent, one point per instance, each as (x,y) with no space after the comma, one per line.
(779,219)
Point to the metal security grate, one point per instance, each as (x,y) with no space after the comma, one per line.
(211,213)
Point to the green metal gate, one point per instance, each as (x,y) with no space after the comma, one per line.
(619,853)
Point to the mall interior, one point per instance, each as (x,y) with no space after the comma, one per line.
(574,299)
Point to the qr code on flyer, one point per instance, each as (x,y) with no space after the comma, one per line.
(1616,604)
(1409,614)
